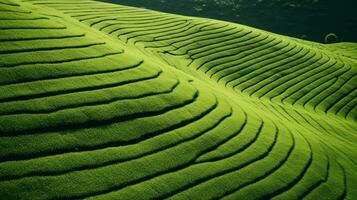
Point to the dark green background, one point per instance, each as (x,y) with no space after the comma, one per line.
(310,19)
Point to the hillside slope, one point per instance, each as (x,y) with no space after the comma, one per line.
(103,101)
(309,19)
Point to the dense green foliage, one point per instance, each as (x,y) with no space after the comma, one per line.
(103,101)
(307,19)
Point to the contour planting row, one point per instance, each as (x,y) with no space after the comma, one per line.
(84,115)
(245,59)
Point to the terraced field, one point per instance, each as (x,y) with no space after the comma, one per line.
(103,101)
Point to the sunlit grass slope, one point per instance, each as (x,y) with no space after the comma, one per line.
(103,101)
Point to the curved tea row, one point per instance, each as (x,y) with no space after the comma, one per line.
(101,101)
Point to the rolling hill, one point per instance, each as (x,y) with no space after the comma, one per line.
(102,101)
(308,19)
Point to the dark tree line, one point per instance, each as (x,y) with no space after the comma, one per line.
(309,19)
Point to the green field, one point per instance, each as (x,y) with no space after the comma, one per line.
(103,101)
